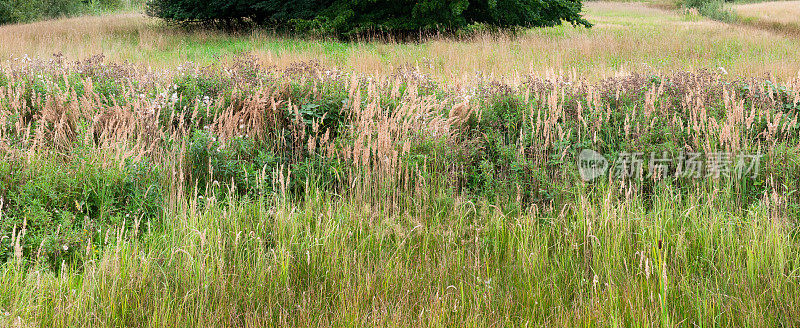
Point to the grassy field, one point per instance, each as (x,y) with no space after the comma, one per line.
(783,16)
(615,45)
(196,179)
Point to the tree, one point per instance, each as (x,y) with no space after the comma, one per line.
(352,17)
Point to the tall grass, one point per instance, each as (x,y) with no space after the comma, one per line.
(783,16)
(238,196)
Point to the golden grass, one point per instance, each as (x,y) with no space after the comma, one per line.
(78,37)
(780,16)
(627,37)
(783,12)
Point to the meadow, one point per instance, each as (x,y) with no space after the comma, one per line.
(159,177)
(627,38)
(783,17)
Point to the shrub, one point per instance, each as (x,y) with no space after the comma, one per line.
(21,11)
(14,11)
(495,168)
(714,9)
(237,164)
(67,206)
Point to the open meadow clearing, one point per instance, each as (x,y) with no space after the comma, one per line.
(781,16)
(627,37)
(642,172)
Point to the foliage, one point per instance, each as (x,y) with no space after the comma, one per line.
(21,11)
(351,18)
(66,206)
(715,9)
(241,164)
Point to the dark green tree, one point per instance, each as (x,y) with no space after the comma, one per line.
(347,18)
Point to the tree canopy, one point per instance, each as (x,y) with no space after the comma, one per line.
(351,17)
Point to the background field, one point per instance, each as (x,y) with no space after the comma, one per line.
(628,37)
(781,16)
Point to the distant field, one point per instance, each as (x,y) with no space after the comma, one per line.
(627,37)
(778,15)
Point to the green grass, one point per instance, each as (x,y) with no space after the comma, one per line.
(327,262)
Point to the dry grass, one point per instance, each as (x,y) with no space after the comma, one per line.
(628,37)
(780,12)
(779,16)
(79,37)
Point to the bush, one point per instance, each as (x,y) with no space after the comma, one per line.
(238,164)
(21,11)
(714,9)
(14,11)
(351,18)
(493,166)
(66,206)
